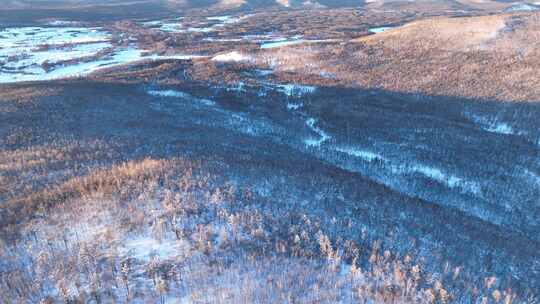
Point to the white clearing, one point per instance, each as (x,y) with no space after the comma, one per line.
(147,248)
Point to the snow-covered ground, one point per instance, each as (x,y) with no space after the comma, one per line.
(47,53)
(177,26)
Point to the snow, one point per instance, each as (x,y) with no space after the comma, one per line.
(168,26)
(438,175)
(179,94)
(26,38)
(447,179)
(66,51)
(535,178)
(522,7)
(24,51)
(147,248)
(296,90)
(501,128)
(63,23)
(433,173)
(363,154)
(200,29)
(233,56)
(175,26)
(323,136)
(220,18)
(119,57)
(282,43)
(376,30)
(492,124)
(293,106)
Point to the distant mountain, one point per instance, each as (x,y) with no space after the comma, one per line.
(186,4)
(247,5)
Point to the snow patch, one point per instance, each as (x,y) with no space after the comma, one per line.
(296,90)
(233,56)
(376,30)
(363,154)
(167,26)
(501,128)
(63,23)
(179,94)
(281,43)
(447,179)
(492,125)
(323,136)
(294,106)
(523,7)
(147,248)
(438,175)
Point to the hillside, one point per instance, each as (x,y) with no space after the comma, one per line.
(437,56)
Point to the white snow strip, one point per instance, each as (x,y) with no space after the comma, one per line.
(449,180)
(296,90)
(233,56)
(278,44)
(492,125)
(220,18)
(179,94)
(376,30)
(63,23)
(363,154)
(438,175)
